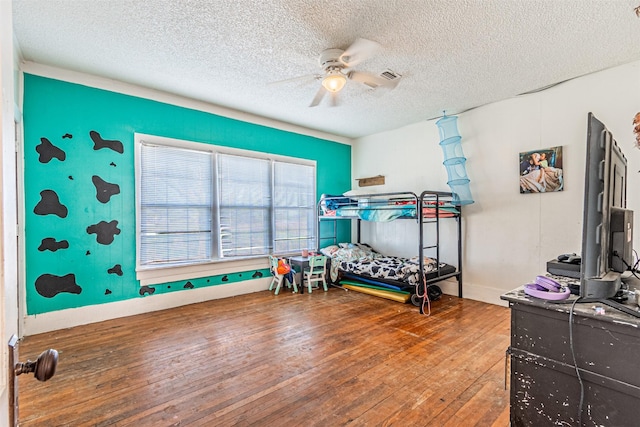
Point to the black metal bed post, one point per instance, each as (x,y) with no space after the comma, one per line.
(423,276)
(318,226)
(438,233)
(459,251)
(420,219)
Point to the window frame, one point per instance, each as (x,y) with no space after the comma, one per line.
(163,273)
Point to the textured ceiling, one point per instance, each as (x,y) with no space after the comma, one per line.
(453,54)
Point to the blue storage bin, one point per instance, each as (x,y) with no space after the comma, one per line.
(454,160)
(451,147)
(456,168)
(448,127)
(462,192)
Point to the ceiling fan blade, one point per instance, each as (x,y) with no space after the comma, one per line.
(334,99)
(300,79)
(318,97)
(359,50)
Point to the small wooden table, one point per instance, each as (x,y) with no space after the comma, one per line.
(299,263)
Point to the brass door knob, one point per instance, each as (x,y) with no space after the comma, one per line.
(43,368)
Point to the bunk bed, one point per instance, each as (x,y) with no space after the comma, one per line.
(357,260)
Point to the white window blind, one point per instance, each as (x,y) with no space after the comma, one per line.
(176,205)
(294,207)
(244,188)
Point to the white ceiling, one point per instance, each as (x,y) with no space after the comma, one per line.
(453,54)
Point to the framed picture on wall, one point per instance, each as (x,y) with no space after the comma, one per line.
(541,170)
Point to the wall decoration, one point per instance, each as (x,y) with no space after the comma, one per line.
(49,151)
(99,143)
(49,285)
(367,182)
(104,189)
(116,269)
(49,204)
(541,170)
(51,244)
(105,231)
(147,290)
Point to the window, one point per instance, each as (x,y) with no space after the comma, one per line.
(175,205)
(200,203)
(245,198)
(294,207)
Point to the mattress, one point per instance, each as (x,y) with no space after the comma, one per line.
(361,259)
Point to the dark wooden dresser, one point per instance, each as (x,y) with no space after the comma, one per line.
(544,386)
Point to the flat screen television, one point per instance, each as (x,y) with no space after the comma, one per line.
(607,227)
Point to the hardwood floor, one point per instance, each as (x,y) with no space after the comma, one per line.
(321,359)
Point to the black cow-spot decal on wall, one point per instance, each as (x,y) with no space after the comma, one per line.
(112,164)
(49,285)
(70,178)
(104,189)
(147,290)
(88,253)
(116,269)
(188,285)
(107,292)
(99,143)
(49,151)
(50,204)
(256,275)
(67,136)
(225,278)
(51,244)
(105,231)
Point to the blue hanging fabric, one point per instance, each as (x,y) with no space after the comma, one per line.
(454,160)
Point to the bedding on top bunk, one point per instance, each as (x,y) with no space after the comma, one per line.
(383,211)
(358,258)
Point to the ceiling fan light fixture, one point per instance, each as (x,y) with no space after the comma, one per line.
(334,81)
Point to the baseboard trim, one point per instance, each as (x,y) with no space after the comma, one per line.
(46,322)
(474,292)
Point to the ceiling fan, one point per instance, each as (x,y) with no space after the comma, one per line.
(337,65)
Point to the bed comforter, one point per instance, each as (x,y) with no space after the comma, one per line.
(361,259)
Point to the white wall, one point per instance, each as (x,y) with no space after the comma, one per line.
(508,236)
(8,218)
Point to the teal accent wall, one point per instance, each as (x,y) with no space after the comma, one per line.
(80,250)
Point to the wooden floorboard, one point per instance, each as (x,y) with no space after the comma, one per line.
(321,359)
